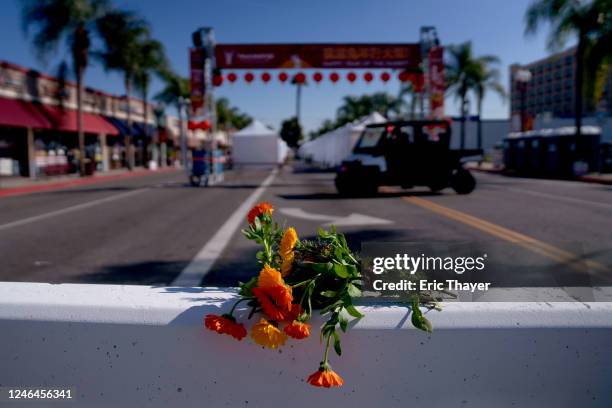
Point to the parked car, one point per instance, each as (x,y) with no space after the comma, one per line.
(408,154)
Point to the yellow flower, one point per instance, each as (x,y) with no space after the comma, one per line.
(287,245)
(286,265)
(266,334)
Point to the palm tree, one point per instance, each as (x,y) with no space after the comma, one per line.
(152,60)
(123,33)
(486,77)
(175,93)
(355,107)
(588,21)
(407,89)
(229,117)
(461,70)
(176,89)
(71,21)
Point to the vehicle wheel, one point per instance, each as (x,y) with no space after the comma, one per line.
(345,187)
(195,180)
(462,181)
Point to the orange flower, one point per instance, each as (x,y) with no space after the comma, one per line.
(297,330)
(287,265)
(273,294)
(268,335)
(269,277)
(275,301)
(325,377)
(225,325)
(259,209)
(287,244)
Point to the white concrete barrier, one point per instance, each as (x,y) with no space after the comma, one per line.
(137,346)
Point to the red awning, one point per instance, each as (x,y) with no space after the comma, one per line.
(18,113)
(66,120)
(22,114)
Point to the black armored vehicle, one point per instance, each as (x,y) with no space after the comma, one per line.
(406,154)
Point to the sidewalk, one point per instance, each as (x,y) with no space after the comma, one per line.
(22,185)
(588,178)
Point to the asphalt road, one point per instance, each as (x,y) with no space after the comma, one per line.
(147,230)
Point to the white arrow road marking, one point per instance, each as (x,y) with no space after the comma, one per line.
(299,213)
(338,221)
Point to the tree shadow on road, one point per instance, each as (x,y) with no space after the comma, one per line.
(86,190)
(336,196)
(140,273)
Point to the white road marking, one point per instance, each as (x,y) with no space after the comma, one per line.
(338,221)
(560,198)
(201,264)
(67,210)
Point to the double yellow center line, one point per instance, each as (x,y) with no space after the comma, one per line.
(514,237)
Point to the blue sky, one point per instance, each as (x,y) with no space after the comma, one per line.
(494,27)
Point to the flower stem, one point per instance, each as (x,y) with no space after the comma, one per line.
(231,312)
(326,349)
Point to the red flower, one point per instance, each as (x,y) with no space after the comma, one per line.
(275,301)
(259,209)
(297,330)
(225,325)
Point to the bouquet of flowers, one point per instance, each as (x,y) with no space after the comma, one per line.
(297,277)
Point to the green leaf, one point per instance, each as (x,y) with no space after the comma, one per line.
(329,293)
(352,270)
(353,291)
(341,271)
(247,288)
(343,323)
(350,309)
(321,267)
(330,307)
(418,320)
(257,224)
(338,253)
(337,346)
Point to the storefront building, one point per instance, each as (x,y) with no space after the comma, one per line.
(38,126)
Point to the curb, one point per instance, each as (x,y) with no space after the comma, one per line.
(84,181)
(597,180)
(584,179)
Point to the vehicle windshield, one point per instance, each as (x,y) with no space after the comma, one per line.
(370,138)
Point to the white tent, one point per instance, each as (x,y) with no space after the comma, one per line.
(258,144)
(332,147)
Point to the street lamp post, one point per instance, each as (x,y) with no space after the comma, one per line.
(298,99)
(204,37)
(522,77)
(182,106)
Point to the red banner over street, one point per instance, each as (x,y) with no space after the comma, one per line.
(245,56)
(198,86)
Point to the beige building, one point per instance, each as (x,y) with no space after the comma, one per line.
(38,131)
